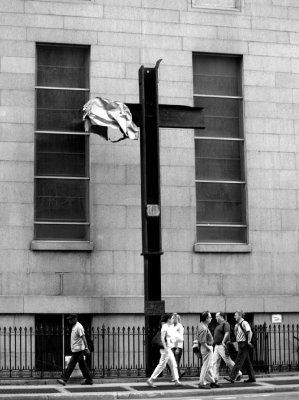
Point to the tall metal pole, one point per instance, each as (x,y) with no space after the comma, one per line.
(150,205)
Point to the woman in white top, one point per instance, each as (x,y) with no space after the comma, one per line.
(167,355)
(179,340)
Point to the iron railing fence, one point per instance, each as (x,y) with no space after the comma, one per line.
(120,351)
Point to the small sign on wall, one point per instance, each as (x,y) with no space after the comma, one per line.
(276,318)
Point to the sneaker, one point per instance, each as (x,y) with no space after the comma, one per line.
(61,381)
(203,386)
(239,377)
(151,383)
(228,379)
(214,385)
(87,383)
(249,381)
(178,383)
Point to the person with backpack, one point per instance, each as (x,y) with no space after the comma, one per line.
(243,335)
(221,337)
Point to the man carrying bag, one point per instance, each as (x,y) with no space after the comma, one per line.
(79,349)
(243,335)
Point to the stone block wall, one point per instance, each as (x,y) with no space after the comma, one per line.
(109,280)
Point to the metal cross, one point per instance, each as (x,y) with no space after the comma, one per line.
(149,115)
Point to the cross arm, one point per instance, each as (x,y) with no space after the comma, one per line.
(173,116)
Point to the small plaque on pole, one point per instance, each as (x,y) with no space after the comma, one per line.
(153,210)
(154,307)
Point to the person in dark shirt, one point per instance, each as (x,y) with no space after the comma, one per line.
(221,337)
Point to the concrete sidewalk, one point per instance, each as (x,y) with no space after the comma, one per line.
(140,390)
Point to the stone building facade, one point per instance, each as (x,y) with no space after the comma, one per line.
(103,276)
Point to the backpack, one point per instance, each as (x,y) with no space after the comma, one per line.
(253,338)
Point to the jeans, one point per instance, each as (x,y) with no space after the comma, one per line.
(206,372)
(243,357)
(167,356)
(77,357)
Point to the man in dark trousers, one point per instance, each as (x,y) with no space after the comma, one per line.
(243,335)
(79,348)
(221,337)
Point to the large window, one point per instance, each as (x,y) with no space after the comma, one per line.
(219,148)
(61,146)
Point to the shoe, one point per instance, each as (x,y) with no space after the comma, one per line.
(178,383)
(87,383)
(239,377)
(228,379)
(61,381)
(172,380)
(151,383)
(203,386)
(214,385)
(249,381)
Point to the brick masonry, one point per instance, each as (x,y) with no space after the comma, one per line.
(110,279)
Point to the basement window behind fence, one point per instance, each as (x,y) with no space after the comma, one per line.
(61,145)
(52,340)
(219,151)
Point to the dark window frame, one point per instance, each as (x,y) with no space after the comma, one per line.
(64,229)
(241,228)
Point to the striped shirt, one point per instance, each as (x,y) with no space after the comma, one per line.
(240,335)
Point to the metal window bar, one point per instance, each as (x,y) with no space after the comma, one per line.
(217,96)
(63,133)
(62,88)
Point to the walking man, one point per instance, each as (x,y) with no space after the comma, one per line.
(205,339)
(243,335)
(221,336)
(79,348)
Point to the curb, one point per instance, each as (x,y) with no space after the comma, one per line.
(127,380)
(154,394)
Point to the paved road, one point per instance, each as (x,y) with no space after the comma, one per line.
(270,396)
(272,388)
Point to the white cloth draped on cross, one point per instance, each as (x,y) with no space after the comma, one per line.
(104,112)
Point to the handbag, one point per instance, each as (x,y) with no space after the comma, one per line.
(196,348)
(76,372)
(156,340)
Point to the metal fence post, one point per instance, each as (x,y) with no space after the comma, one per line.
(103,348)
